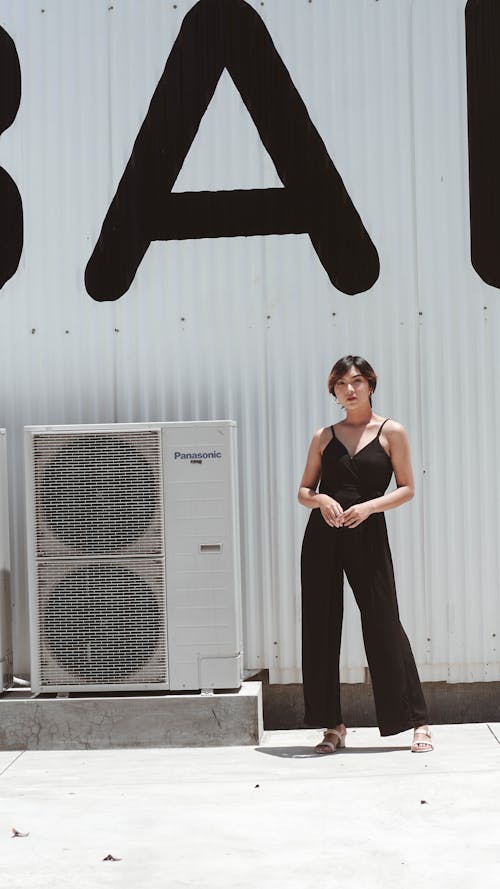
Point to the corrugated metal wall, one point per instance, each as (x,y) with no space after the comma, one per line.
(248,328)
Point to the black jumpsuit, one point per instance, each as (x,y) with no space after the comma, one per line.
(363,553)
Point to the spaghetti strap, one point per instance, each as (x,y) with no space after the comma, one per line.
(381,427)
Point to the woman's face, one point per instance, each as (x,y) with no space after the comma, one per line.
(352,389)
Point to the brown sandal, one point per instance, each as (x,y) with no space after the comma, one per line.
(330,745)
(422,746)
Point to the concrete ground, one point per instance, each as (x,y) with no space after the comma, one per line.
(275,815)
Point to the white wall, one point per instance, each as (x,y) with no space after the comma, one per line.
(248,328)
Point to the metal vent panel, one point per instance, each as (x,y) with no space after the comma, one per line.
(98,494)
(102,623)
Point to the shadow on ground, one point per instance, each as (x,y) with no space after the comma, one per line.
(309,753)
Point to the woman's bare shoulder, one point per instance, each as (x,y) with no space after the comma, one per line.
(321,437)
(393,426)
(394,432)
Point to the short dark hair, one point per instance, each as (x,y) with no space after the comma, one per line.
(343,365)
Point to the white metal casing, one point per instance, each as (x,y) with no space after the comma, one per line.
(5,598)
(121,606)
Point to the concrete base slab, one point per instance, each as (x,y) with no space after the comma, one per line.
(92,723)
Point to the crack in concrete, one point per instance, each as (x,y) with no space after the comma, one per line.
(7,767)
(219,723)
(493,733)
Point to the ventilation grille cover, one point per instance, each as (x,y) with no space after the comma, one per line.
(102,623)
(98,494)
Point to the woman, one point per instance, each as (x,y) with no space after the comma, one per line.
(354,461)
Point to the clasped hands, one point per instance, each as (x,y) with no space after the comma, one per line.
(336,517)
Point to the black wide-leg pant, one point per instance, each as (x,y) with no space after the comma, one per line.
(364,555)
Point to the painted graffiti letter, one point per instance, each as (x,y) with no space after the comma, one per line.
(217,35)
(11,216)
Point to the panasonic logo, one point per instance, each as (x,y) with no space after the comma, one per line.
(197,455)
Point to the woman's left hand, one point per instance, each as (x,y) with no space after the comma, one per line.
(356,514)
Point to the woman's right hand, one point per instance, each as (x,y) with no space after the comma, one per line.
(331,511)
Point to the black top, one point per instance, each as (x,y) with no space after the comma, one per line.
(351,480)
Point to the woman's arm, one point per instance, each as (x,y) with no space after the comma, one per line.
(308,495)
(399,452)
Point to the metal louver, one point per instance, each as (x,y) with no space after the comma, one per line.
(98,494)
(6,671)
(102,623)
(98,558)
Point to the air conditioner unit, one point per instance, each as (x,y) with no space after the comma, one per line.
(133,557)
(6,677)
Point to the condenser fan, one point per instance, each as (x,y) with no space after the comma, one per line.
(98,494)
(102,623)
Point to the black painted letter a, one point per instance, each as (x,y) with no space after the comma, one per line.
(219,34)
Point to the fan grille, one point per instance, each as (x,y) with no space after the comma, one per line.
(102,623)
(98,494)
